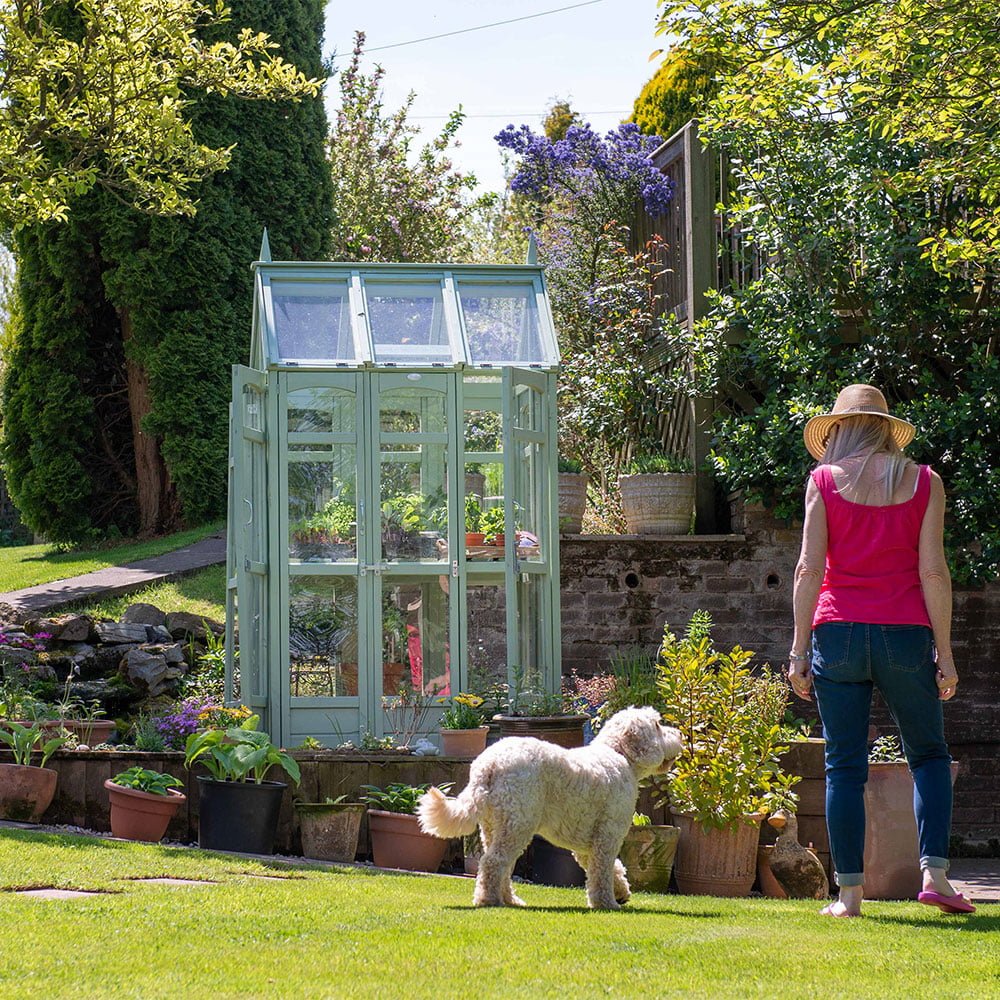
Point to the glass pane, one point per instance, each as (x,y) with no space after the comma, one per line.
(501,323)
(407,323)
(413,497)
(312,320)
(486,630)
(415,647)
(529,634)
(483,477)
(322,411)
(323,636)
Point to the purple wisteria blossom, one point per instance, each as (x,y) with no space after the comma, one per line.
(585,164)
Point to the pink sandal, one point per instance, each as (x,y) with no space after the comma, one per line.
(946,904)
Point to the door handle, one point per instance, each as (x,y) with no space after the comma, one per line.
(250,517)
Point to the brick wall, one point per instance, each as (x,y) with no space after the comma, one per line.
(621,590)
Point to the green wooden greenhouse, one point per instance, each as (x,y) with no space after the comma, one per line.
(392,502)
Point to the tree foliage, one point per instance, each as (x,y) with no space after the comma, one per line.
(99,92)
(921,73)
(389,204)
(117,386)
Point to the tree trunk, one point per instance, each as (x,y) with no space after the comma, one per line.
(156,497)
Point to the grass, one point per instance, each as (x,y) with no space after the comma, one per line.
(29,565)
(202,593)
(358,933)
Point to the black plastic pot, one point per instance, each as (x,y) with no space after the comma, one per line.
(238,815)
(551,865)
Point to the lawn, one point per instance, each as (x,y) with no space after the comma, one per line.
(358,933)
(29,565)
(202,593)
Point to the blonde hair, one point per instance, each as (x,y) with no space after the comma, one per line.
(865,434)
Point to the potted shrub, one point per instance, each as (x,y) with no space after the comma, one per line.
(463,732)
(474,534)
(26,789)
(657,495)
(143,802)
(238,809)
(572,495)
(728,777)
(648,854)
(892,857)
(71,716)
(330,828)
(546,715)
(397,840)
(491,523)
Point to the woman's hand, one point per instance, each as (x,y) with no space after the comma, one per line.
(947,680)
(800,677)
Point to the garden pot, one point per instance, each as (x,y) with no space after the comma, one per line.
(648,856)
(398,842)
(238,815)
(551,865)
(572,501)
(26,791)
(658,503)
(464,742)
(563,730)
(330,829)
(892,854)
(500,540)
(473,538)
(87,731)
(713,862)
(138,815)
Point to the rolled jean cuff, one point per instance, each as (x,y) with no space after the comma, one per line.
(858,878)
(931,862)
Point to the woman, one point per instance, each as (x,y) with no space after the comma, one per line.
(872,586)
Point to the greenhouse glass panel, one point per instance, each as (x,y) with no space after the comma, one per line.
(407,323)
(415,643)
(323,637)
(501,323)
(312,320)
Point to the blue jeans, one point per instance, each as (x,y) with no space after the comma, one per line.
(849,659)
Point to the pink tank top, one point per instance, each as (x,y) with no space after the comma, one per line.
(872,557)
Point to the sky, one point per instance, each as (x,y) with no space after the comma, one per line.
(596,56)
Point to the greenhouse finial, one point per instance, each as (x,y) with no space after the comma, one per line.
(532,257)
(265,247)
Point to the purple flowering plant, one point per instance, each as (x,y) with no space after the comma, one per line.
(37,643)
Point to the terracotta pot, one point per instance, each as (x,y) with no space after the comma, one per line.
(714,862)
(658,503)
(563,730)
(499,539)
(25,791)
(648,856)
(88,731)
(137,815)
(464,742)
(892,854)
(474,538)
(572,501)
(398,842)
(330,829)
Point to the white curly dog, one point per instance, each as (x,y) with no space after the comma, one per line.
(581,799)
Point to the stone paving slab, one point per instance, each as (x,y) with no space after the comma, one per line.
(114,580)
(977,878)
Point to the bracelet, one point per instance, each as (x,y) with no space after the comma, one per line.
(798,656)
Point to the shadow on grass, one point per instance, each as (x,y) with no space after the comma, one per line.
(984,920)
(707,914)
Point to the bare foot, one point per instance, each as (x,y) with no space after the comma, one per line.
(839,908)
(935,880)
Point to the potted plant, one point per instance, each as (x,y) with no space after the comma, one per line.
(648,854)
(463,732)
(546,715)
(143,802)
(71,716)
(728,777)
(397,840)
(474,534)
(329,533)
(330,828)
(572,495)
(892,857)
(491,523)
(238,809)
(26,789)
(657,495)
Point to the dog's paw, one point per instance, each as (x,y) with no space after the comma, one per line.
(622,898)
(603,904)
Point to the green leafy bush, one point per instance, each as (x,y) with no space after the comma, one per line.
(397,797)
(729,719)
(144,780)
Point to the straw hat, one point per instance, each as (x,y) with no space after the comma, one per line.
(855,399)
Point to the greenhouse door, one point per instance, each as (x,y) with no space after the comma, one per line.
(248,578)
(323,517)
(534,654)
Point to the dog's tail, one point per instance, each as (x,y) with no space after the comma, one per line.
(446,817)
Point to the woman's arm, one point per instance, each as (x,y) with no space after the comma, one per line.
(808,579)
(936,583)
